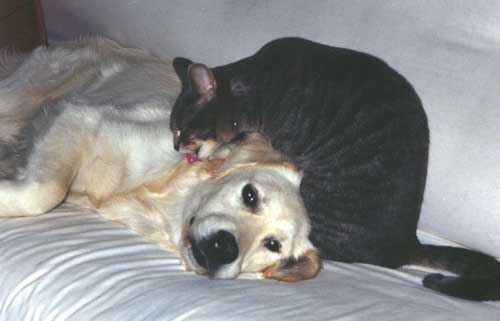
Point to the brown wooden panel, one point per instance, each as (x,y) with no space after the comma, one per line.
(21,24)
(8,6)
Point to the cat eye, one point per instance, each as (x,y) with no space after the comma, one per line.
(250,196)
(273,245)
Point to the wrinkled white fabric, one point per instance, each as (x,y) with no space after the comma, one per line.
(72,265)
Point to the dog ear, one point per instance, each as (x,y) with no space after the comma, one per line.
(305,267)
(254,150)
(250,147)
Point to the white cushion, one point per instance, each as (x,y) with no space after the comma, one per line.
(72,265)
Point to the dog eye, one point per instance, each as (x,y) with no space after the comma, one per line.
(273,245)
(250,196)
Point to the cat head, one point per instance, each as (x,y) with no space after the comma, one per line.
(212,108)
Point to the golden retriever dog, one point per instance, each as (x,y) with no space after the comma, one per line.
(88,122)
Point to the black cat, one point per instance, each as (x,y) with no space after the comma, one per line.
(357,130)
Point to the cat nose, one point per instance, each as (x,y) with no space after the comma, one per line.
(177,139)
(216,250)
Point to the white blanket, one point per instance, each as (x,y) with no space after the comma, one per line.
(72,265)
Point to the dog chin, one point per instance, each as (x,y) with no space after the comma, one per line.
(231,271)
(190,262)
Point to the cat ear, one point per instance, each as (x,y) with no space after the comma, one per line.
(181,66)
(199,76)
(203,81)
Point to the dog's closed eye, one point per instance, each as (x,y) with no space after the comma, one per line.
(250,196)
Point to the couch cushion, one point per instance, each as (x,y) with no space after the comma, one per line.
(70,264)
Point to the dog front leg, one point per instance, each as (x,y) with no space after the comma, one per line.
(43,185)
(27,198)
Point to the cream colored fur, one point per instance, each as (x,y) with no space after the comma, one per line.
(89,123)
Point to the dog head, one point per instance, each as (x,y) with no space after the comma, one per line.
(248,217)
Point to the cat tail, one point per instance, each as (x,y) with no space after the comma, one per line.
(478,274)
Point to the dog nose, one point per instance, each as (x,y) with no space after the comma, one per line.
(215,251)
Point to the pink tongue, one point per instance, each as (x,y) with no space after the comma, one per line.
(191,158)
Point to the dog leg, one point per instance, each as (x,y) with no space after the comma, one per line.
(27,198)
(44,183)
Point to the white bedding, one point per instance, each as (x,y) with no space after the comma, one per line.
(72,265)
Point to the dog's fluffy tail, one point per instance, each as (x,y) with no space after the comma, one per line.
(478,274)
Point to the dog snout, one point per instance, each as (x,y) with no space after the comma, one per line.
(215,251)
